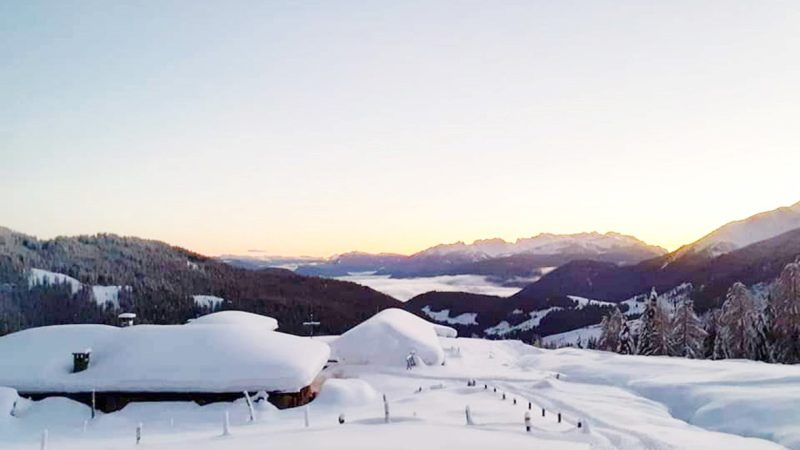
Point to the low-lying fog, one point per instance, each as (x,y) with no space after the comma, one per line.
(405,288)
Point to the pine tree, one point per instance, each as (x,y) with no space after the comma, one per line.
(738,333)
(654,331)
(785,314)
(611,326)
(687,333)
(627,346)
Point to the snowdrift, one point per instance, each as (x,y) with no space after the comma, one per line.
(160,358)
(445,331)
(748,398)
(387,338)
(240,318)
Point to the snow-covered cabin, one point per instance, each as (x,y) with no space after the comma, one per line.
(198,362)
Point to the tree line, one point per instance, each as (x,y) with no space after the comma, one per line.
(745,327)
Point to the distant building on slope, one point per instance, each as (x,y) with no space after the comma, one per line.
(199,362)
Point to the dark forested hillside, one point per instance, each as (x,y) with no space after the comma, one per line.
(555,314)
(162,280)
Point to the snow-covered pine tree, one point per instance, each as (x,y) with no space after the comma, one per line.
(738,325)
(654,331)
(611,327)
(686,333)
(627,346)
(785,304)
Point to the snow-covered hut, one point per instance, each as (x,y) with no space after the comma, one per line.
(202,363)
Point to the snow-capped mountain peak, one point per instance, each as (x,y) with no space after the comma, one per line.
(742,233)
(542,244)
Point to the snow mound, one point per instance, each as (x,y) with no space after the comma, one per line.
(337,392)
(387,338)
(7,398)
(445,331)
(237,318)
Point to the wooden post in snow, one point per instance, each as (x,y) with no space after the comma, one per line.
(138,433)
(250,408)
(226,424)
(468,415)
(94,403)
(527,421)
(385,411)
(559,417)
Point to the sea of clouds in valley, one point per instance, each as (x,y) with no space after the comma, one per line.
(404,289)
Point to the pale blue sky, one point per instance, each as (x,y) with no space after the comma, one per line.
(321,127)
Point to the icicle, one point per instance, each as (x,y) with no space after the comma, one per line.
(305,416)
(43,445)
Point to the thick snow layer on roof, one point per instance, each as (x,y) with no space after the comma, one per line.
(387,338)
(237,318)
(160,358)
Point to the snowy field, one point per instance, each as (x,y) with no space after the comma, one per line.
(624,402)
(404,289)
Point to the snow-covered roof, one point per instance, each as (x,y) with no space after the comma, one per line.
(237,318)
(387,338)
(160,358)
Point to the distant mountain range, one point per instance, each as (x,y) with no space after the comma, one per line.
(752,251)
(510,263)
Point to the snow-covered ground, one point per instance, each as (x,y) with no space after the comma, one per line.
(404,289)
(625,402)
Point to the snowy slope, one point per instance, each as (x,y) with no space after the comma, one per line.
(444,316)
(574,337)
(40,276)
(207,301)
(748,231)
(102,294)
